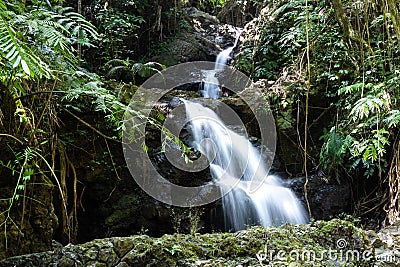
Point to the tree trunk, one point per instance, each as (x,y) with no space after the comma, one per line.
(7,110)
(348,32)
(394,11)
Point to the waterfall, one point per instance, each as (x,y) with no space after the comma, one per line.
(211,88)
(235,163)
(211,84)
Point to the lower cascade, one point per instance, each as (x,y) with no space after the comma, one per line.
(235,163)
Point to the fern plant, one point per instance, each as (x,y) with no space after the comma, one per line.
(108,102)
(372,111)
(333,151)
(15,53)
(35,40)
(127,69)
(37,46)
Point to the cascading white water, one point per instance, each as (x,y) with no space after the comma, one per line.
(223,57)
(211,87)
(234,164)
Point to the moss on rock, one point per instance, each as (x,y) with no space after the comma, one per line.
(287,245)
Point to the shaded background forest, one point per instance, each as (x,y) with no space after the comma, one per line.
(329,69)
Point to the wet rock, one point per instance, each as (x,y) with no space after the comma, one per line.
(238,13)
(203,17)
(327,198)
(28,229)
(123,245)
(387,245)
(202,40)
(123,218)
(208,27)
(186,47)
(390,235)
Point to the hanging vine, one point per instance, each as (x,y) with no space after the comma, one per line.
(308,85)
(392,208)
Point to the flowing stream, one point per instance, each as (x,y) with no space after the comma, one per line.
(235,163)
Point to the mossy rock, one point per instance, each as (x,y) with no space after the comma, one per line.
(252,247)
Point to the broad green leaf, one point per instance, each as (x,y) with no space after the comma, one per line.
(16,62)
(25,67)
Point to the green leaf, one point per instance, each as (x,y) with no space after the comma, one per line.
(16,62)
(25,67)
(11,52)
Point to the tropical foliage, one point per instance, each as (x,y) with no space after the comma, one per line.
(333,67)
(354,78)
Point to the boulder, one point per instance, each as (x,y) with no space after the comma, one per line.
(202,39)
(327,198)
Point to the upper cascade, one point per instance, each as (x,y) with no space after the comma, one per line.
(211,87)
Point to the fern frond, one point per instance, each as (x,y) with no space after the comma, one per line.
(74,22)
(116,62)
(393,119)
(354,88)
(17,53)
(367,105)
(147,69)
(3,6)
(115,71)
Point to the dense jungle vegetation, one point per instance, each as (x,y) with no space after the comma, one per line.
(334,67)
